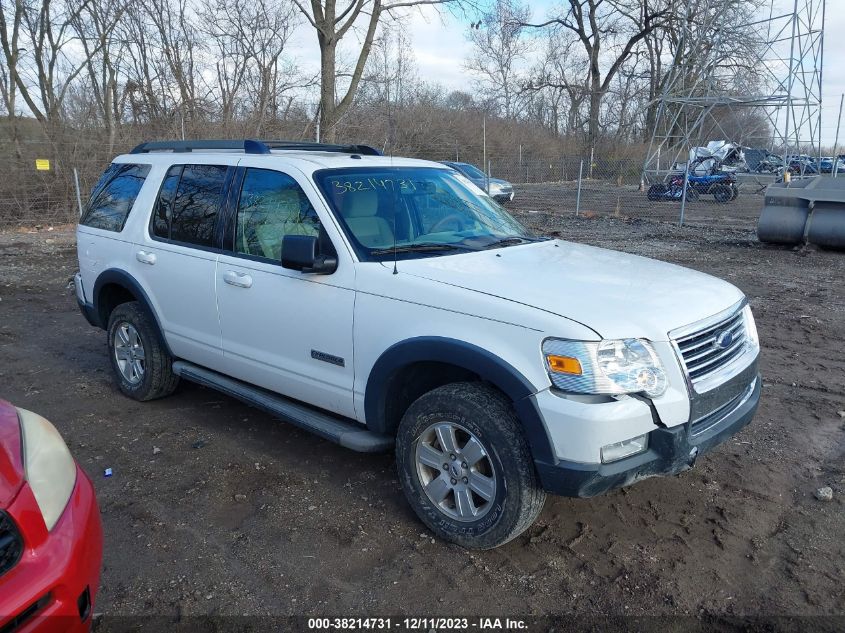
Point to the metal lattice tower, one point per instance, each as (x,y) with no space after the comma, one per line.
(769,65)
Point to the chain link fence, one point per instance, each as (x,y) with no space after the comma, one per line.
(38,185)
(575,186)
(33,196)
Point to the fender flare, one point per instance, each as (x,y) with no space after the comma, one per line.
(122,278)
(486,365)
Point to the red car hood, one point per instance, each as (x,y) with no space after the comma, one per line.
(11,459)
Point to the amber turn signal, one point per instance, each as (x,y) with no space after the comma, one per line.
(564,364)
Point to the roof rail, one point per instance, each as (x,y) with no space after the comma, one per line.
(249,146)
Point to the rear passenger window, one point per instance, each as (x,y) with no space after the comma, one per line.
(113,196)
(197,204)
(188,204)
(271,206)
(164,205)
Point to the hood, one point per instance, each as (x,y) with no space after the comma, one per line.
(499,181)
(615,294)
(11,459)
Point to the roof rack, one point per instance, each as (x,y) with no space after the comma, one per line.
(250,146)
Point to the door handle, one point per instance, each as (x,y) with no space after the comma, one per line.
(145,258)
(241,280)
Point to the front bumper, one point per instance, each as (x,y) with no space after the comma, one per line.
(54,585)
(503,196)
(670,451)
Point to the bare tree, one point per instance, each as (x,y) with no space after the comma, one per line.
(175,27)
(701,38)
(331,24)
(609,31)
(499,46)
(561,76)
(94,26)
(11,20)
(39,36)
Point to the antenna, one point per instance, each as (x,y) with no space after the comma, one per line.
(390,137)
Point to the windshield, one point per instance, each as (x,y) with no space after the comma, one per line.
(472,171)
(419,211)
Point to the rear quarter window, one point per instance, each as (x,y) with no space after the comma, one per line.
(113,196)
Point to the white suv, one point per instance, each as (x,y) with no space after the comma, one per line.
(380,301)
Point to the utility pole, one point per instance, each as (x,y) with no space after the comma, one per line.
(484,142)
(835,168)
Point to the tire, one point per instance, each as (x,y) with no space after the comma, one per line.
(734,192)
(656,192)
(722,193)
(481,417)
(139,358)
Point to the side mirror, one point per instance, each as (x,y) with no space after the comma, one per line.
(300,252)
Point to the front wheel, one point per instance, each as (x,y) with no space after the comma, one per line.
(734,192)
(656,192)
(465,466)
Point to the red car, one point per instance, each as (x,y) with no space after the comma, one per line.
(51,539)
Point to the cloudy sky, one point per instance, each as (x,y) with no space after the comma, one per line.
(440,45)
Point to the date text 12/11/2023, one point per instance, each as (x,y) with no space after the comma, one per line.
(418,624)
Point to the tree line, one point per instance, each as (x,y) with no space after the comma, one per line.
(587,73)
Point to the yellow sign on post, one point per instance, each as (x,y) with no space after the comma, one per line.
(42,164)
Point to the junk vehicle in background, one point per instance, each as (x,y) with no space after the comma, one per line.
(721,185)
(498,189)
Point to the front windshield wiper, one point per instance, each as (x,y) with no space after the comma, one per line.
(416,248)
(510,241)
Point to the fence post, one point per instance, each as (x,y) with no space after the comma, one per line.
(578,195)
(489,167)
(592,154)
(684,194)
(78,194)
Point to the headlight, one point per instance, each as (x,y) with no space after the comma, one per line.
(750,326)
(610,367)
(50,469)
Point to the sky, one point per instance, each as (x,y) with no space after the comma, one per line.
(440,46)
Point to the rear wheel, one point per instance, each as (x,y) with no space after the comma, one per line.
(465,466)
(722,193)
(139,358)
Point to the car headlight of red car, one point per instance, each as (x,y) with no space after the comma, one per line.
(50,469)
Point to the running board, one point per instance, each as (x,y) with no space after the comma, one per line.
(347,433)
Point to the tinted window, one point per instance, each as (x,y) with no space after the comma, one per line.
(164,205)
(197,203)
(271,206)
(113,197)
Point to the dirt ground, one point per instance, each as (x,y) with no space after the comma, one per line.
(216,508)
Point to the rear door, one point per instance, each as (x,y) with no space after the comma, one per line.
(284,330)
(176,260)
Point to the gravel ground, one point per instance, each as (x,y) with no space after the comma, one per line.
(216,508)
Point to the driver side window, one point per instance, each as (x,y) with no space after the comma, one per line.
(271,205)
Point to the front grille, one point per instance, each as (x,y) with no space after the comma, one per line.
(714,418)
(11,543)
(708,350)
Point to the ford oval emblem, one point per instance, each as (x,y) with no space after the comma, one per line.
(724,339)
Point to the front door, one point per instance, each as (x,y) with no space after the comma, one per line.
(283,330)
